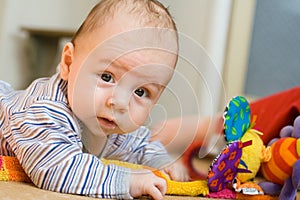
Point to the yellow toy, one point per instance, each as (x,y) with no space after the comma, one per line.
(238,127)
(253,155)
(193,188)
(11,170)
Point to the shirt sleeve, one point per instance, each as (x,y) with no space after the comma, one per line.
(45,140)
(136,148)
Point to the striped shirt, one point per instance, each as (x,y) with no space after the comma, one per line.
(38,127)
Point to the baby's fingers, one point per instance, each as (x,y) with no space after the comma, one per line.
(183,177)
(158,190)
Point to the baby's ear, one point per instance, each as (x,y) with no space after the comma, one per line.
(66,60)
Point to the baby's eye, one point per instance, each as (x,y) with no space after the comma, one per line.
(141,92)
(107,77)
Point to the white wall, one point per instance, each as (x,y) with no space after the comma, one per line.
(239,40)
(57,14)
(197,85)
(203,31)
(2,6)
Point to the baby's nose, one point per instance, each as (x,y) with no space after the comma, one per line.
(118,103)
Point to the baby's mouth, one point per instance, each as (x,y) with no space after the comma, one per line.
(107,123)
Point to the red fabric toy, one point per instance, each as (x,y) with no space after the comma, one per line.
(276,111)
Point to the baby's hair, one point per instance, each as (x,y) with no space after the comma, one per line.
(147,12)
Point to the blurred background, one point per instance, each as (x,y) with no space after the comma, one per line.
(227,48)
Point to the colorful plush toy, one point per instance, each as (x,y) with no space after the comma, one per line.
(238,127)
(224,169)
(253,155)
(229,162)
(283,169)
(279,162)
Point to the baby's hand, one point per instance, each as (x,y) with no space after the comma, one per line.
(177,171)
(144,182)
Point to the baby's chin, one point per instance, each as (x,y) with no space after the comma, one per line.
(119,130)
(126,129)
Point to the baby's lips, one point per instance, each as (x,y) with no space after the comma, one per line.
(107,123)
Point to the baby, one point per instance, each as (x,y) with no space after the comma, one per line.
(111,75)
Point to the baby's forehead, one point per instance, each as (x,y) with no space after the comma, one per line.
(133,54)
(143,59)
(151,56)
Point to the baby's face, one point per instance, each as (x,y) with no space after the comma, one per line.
(120,93)
(113,85)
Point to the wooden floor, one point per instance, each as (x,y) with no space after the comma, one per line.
(24,191)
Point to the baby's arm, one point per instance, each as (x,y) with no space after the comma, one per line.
(173,167)
(137,148)
(177,134)
(46,142)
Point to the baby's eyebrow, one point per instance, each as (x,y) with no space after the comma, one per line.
(107,62)
(155,86)
(118,64)
(113,63)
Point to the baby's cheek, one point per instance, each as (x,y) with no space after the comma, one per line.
(139,116)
